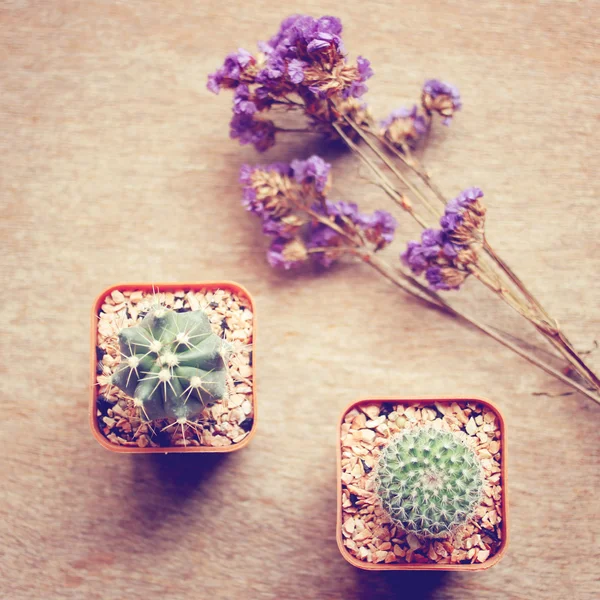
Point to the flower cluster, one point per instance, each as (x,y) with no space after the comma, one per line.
(291,200)
(445,255)
(442,98)
(303,66)
(406,127)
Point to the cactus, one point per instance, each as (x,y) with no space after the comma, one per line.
(172,364)
(429,481)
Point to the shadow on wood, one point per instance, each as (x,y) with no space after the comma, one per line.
(165,488)
(180,475)
(420,585)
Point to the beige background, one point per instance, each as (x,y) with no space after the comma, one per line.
(115,164)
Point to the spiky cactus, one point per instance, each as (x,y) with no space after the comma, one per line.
(172,364)
(429,481)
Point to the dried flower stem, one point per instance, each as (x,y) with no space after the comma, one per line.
(288,130)
(543,322)
(384,269)
(531,309)
(398,198)
(390,164)
(483,274)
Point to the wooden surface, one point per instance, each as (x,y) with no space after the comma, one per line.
(115,164)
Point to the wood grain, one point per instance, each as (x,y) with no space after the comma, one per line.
(115,165)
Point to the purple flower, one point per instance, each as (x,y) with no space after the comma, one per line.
(299,34)
(248,130)
(318,44)
(449,250)
(405,125)
(286,254)
(241,102)
(379,227)
(453,214)
(413,257)
(330,25)
(313,170)
(419,256)
(284,38)
(431,238)
(435,279)
(296,70)
(250,202)
(322,236)
(358,87)
(450,220)
(274,70)
(246,174)
(441,97)
(321,33)
(342,209)
(364,68)
(279,228)
(468,196)
(445,254)
(249,199)
(398,113)
(435,88)
(229,74)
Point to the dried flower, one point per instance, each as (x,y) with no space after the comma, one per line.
(379,228)
(464,217)
(442,98)
(304,68)
(291,202)
(446,254)
(287,254)
(249,130)
(266,189)
(329,243)
(231,74)
(314,171)
(405,127)
(358,87)
(242,104)
(305,58)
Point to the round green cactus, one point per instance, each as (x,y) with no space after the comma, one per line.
(172,364)
(429,481)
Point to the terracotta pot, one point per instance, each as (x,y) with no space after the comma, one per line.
(424,566)
(164,287)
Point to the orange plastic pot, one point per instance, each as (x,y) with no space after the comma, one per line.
(163,287)
(423,566)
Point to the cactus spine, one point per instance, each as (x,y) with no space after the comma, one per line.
(429,481)
(172,364)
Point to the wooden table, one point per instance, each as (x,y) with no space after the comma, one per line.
(116,165)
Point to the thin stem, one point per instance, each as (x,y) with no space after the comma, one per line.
(329,223)
(413,164)
(543,325)
(388,163)
(513,277)
(559,341)
(288,130)
(399,154)
(547,326)
(384,269)
(385,184)
(486,278)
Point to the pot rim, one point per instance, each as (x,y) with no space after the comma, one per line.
(423,566)
(169,287)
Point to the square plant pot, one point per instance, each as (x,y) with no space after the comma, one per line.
(367,536)
(224,411)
